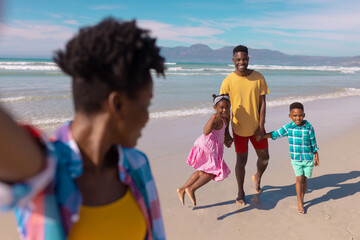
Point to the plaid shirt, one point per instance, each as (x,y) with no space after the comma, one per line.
(47,205)
(302,141)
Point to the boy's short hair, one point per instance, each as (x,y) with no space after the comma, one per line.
(113,55)
(296,105)
(240,48)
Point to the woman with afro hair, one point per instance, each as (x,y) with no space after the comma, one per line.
(89,182)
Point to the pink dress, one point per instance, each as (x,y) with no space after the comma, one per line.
(207,154)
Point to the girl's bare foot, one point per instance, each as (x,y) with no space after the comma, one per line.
(181,193)
(257,184)
(191,195)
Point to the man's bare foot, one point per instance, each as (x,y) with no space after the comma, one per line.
(301,208)
(257,184)
(240,201)
(181,193)
(191,195)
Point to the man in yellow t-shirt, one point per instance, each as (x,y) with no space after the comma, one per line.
(247,89)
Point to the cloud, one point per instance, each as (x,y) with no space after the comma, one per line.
(71,22)
(54,15)
(327,24)
(36,31)
(32,38)
(108,7)
(320,22)
(186,34)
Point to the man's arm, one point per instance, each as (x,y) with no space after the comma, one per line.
(262,108)
(228,140)
(20,156)
(262,112)
(224,89)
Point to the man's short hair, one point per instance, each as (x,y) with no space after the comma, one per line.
(296,105)
(240,48)
(113,55)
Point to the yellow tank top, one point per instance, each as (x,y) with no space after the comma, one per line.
(121,219)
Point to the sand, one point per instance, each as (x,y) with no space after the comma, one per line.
(331,202)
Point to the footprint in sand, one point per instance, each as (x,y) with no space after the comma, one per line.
(354,229)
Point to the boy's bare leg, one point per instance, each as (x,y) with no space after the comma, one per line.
(181,191)
(201,181)
(262,163)
(299,193)
(304,186)
(241,159)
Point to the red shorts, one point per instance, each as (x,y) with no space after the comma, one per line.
(242,143)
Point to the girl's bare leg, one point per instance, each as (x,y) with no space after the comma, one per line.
(299,193)
(181,191)
(201,181)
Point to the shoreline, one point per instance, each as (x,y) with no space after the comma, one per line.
(331,201)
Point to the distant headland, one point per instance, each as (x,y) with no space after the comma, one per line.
(202,53)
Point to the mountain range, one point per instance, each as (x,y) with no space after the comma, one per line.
(201,53)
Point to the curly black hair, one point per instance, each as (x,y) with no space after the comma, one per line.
(240,48)
(296,105)
(113,55)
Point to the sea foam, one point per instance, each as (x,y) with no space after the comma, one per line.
(46,121)
(307,68)
(32,98)
(176,113)
(28,66)
(345,92)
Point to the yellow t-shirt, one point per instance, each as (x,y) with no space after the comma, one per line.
(245,94)
(121,219)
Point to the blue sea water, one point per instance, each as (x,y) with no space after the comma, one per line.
(37,92)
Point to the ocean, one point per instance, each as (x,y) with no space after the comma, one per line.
(35,91)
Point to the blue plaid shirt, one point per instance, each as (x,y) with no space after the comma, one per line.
(302,141)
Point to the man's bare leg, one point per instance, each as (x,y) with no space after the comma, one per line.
(262,163)
(241,159)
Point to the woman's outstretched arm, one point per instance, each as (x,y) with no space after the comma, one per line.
(20,156)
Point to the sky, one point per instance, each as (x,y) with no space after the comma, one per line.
(35,28)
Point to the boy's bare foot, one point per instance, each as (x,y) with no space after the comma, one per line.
(301,208)
(181,193)
(191,195)
(257,184)
(240,200)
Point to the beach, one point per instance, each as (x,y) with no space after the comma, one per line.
(331,202)
(35,91)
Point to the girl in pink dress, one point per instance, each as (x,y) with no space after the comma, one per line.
(206,156)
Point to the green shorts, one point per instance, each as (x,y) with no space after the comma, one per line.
(303,168)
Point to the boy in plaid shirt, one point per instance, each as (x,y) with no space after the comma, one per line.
(303,148)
